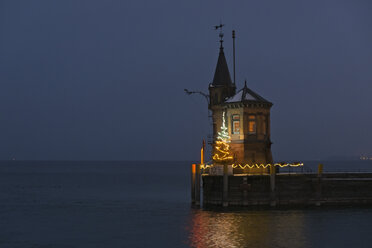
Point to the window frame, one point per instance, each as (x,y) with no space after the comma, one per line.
(233,122)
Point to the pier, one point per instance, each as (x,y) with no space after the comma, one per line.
(282,189)
(241,170)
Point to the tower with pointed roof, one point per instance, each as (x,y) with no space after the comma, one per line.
(247,117)
(220,90)
(221,87)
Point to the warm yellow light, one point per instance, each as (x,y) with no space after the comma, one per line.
(206,166)
(251,166)
(222,151)
(252,126)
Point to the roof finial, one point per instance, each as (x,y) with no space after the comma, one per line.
(220,34)
(245,83)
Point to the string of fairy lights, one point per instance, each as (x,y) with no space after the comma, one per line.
(251,166)
(222,148)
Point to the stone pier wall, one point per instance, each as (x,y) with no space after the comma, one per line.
(290,189)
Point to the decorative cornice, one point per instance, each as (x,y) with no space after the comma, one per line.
(248,104)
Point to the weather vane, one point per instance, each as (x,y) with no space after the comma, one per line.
(221,33)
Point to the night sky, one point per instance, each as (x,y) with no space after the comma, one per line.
(104,80)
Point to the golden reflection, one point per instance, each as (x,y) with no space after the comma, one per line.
(247,229)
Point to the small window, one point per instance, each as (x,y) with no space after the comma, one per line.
(252,124)
(236,124)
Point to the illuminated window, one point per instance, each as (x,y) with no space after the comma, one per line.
(252,124)
(236,124)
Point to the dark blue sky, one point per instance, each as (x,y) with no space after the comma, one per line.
(104,79)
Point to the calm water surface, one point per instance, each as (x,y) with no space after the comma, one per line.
(146,204)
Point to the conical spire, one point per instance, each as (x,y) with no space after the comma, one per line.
(222,74)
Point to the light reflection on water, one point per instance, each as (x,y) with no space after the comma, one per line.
(306,228)
(247,229)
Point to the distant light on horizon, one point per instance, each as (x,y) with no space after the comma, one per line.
(365,157)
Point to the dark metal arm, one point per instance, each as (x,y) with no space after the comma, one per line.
(197,92)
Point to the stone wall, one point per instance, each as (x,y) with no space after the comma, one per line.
(290,189)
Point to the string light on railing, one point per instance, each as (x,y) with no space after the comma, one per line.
(281,165)
(251,166)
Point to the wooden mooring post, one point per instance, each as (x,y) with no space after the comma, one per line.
(196,178)
(319,185)
(197,185)
(245,186)
(272,186)
(225,193)
(193,177)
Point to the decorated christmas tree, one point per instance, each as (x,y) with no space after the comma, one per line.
(222,153)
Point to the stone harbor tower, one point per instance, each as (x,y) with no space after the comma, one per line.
(247,117)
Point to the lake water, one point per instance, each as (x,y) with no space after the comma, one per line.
(147,204)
